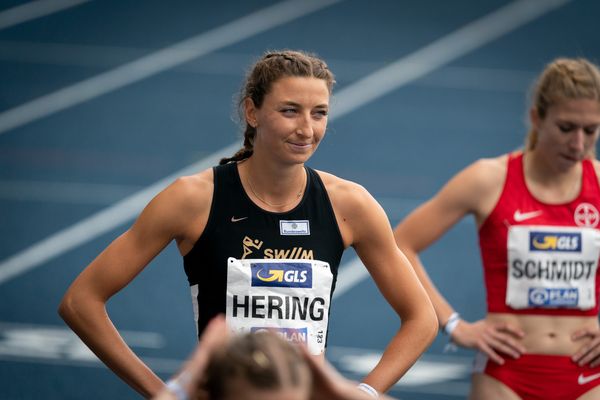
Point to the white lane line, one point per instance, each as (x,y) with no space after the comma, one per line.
(65,192)
(424,372)
(184,51)
(431,374)
(98,223)
(125,210)
(223,63)
(35,9)
(58,345)
(45,344)
(442,51)
(422,62)
(349,275)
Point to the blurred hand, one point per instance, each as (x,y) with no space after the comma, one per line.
(215,336)
(490,339)
(328,384)
(590,352)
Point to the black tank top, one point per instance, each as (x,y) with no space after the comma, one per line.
(238,228)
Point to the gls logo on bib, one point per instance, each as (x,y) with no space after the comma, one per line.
(555,241)
(297,275)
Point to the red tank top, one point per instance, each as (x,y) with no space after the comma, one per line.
(542,258)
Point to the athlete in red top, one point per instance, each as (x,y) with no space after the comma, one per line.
(538,219)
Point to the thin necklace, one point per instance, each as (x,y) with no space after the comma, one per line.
(271,204)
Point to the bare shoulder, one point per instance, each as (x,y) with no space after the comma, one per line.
(185,199)
(186,189)
(178,212)
(344,193)
(197,186)
(356,211)
(481,179)
(487,172)
(478,187)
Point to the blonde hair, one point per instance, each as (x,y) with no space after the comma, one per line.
(263,359)
(563,79)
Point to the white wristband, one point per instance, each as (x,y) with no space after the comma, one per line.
(368,389)
(175,387)
(452,323)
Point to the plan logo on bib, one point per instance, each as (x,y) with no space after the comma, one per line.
(555,241)
(553,297)
(294,335)
(297,275)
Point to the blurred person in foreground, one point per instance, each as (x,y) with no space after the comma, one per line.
(256,366)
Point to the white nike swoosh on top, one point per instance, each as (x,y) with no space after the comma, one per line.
(582,380)
(519,216)
(234,219)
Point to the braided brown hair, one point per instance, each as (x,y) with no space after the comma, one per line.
(274,65)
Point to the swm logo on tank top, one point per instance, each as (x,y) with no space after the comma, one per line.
(254,248)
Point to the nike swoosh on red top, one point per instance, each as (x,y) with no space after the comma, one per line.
(519,216)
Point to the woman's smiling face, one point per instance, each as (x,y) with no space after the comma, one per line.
(292,119)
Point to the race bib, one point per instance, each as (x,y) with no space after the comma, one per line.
(290,297)
(552,267)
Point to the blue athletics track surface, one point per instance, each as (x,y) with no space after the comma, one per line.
(102,103)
